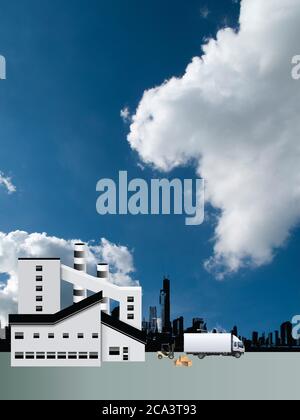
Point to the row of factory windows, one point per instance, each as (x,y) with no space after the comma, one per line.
(39,288)
(58,355)
(130,308)
(20,335)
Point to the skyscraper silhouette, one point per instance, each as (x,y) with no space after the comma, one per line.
(286,334)
(178,326)
(165,306)
(153,319)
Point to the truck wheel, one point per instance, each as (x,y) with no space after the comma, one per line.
(237,355)
(171,357)
(160,357)
(201,356)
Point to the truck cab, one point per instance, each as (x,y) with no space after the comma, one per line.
(238,348)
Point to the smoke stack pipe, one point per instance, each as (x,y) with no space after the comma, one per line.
(103,273)
(79,293)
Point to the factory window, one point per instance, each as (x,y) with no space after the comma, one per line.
(130,299)
(125,350)
(29,355)
(19,355)
(39,309)
(114,351)
(80,335)
(39,278)
(125,358)
(95,335)
(39,288)
(130,316)
(40,355)
(39,298)
(36,335)
(93,355)
(19,336)
(51,355)
(72,355)
(50,335)
(130,308)
(65,335)
(83,355)
(39,268)
(61,355)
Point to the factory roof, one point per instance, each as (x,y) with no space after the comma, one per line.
(49,319)
(123,328)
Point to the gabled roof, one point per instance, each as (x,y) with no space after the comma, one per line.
(59,316)
(123,328)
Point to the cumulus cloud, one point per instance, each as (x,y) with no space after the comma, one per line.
(120,260)
(125,115)
(234,113)
(22,244)
(7,183)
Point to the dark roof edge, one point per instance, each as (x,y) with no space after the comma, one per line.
(123,328)
(59,316)
(39,259)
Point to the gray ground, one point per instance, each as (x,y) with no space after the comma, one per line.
(256,376)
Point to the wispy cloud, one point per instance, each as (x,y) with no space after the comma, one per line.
(7,183)
(125,114)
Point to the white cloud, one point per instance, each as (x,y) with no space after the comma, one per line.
(7,183)
(22,244)
(125,115)
(235,112)
(120,260)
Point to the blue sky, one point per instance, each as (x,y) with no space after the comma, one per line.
(71,68)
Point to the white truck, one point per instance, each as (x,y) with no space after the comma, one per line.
(203,345)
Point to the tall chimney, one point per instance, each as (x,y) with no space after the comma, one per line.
(103,273)
(79,293)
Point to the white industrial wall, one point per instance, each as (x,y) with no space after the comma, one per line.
(112,338)
(27,286)
(87,322)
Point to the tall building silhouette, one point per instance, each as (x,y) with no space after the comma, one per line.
(270,339)
(277,339)
(199,326)
(153,319)
(178,326)
(165,306)
(286,334)
(234,331)
(255,338)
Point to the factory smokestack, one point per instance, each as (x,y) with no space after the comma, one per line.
(79,293)
(103,273)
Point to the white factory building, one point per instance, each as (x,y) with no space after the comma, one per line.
(85,333)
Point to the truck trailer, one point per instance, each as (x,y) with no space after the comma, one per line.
(204,344)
